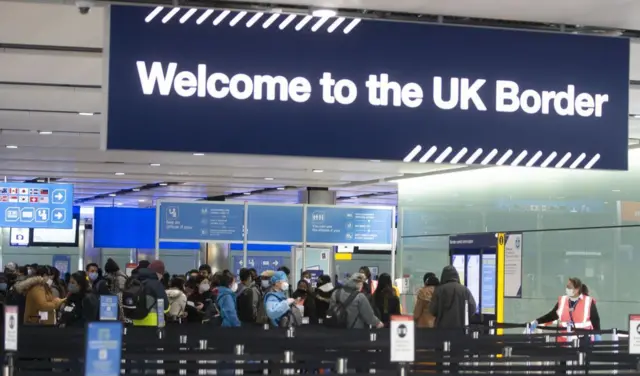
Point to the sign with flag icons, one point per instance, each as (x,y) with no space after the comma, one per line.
(488,96)
(36,205)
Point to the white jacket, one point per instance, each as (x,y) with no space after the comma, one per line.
(178,301)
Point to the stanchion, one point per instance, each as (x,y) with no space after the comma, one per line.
(507,352)
(582,362)
(239,351)
(265,371)
(341,366)
(291,332)
(615,338)
(288,359)
(8,368)
(373,336)
(183,341)
(446,354)
(492,330)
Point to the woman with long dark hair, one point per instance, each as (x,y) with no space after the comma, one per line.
(82,304)
(385,301)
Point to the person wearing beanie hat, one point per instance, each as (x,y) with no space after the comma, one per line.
(151,278)
(281,310)
(421,314)
(114,278)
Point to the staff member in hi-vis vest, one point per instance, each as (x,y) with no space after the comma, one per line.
(574,310)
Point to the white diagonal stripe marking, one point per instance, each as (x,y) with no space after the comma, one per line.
(519,158)
(549,159)
(474,156)
(188,15)
(303,22)
(489,157)
(578,160)
(459,156)
(444,154)
(254,19)
(204,16)
(287,21)
(237,18)
(153,14)
(270,20)
(335,24)
(221,17)
(534,159)
(504,157)
(592,161)
(412,154)
(170,15)
(319,24)
(563,160)
(428,154)
(351,25)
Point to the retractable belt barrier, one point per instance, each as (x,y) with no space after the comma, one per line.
(202,350)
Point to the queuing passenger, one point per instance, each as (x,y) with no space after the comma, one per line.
(306,276)
(360,314)
(449,301)
(142,264)
(244,282)
(366,287)
(115,278)
(249,299)
(574,310)
(280,309)
(153,289)
(197,290)
(287,272)
(192,274)
(265,281)
(40,304)
(93,272)
(205,270)
(57,285)
(421,313)
(31,269)
(81,306)
(305,294)
(385,301)
(177,300)
(4,285)
(226,299)
(323,295)
(13,296)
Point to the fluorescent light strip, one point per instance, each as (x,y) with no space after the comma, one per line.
(270,20)
(428,154)
(287,21)
(302,23)
(204,16)
(237,18)
(412,154)
(519,158)
(335,24)
(563,160)
(352,25)
(254,19)
(474,156)
(153,14)
(444,154)
(221,17)
(578,160)
(504,157)
(549,159)
(188,15)
(319,24)
(489,157)
(592,162)
(170,15)
(534,159)
(459,156)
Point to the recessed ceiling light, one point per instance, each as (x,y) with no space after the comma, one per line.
(374,160)
(112,195)
(268,178)
(280,188)
(324,13)
(11,147)
(354,197)
(198,154)
(246,193)
(85,113)
(615,190)
(141,200)
(45,132)
(119,203)
(136,189)
(40,180)
(119,173)
(163,184)
(317,170)
(154,164)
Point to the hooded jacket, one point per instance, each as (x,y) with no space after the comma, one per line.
(323,298)
(359,313)
(40,305)
(448,301)
(154,290)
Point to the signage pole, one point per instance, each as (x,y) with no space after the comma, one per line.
(157,250)
(245,234)
(393,245)
(304,238)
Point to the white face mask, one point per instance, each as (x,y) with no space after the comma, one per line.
(49,282)
(204,287)
(234,287)
(265,283)
(285,286)
(569,292)
(308,280)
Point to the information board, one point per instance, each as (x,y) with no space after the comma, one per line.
(488,297)
(349,225)
(513,266)
(403,346)
(259,263)
(35,205)
(62,263)
(108,308)
(473,278)
(275,223)
(458,262)
(11,328)
(103,348)
(197,221)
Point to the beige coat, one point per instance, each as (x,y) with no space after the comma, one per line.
(39,299)
(421,314)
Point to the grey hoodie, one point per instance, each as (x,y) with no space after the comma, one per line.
(359,313)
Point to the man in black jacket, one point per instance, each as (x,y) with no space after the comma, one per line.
(449,301)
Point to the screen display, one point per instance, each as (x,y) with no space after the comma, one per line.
(19,237)
(473,278)
(488,285)
(458,262)
(56,236)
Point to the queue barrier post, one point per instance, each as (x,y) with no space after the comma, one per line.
(446,350)
(8,368)
(341,366)
(492,330)
(288,359)
(507,352)
(615,338)
(373,336)
(239,351)
(291,332)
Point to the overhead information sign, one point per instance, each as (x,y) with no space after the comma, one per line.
(275,223)
(349,225)
(31,205)
(488,96)
(200,221)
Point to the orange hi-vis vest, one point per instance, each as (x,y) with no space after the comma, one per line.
(577,318)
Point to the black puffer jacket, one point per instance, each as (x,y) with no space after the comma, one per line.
(448,301)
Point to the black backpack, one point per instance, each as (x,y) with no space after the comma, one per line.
(244,302)
(134,300)
(337,314)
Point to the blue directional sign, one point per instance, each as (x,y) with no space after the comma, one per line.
(259,263)
(198,221)
(103,348)
(275,223)
(33,205)
(349,225)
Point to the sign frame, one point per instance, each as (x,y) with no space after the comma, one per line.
(114,327)
(403,337)
(250,204)
(634,334)
(11,333)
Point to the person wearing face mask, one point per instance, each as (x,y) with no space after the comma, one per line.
(265,281)
(356,304)
(93,273)
(57,287)
(154,290)
(249,300)
(81,305)
(308,298)
(40,304)
(574,310)
(226,299)
(281,310)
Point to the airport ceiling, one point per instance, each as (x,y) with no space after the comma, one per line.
(51,82)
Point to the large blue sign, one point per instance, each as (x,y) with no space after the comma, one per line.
(275,223)
(364,89)
(198,221)
(349,225)
(104,348)
(36,205)
(259,263)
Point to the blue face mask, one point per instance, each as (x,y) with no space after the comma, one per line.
(93,276)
